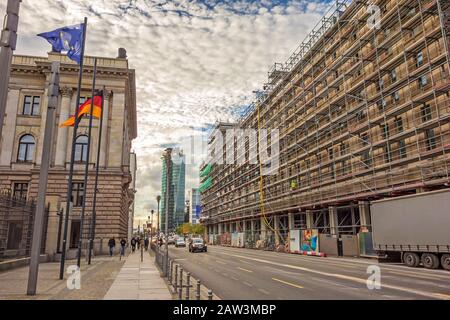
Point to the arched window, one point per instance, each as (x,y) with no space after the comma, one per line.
(26,148)
(81,147)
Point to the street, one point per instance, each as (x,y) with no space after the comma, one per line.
(245,274)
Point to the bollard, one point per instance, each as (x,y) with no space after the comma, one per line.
(188,284)
(169,278)
(197,295)
(180,287)
(175,283)
(210,295)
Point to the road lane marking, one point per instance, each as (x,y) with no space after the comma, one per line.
(350,278)
(264,291)
(234,278)
(288,283)
(247,284)
(246,270)
(221,262)
(413,274)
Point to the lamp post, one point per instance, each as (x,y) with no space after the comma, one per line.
(158,199)
(8,39)
(151,230)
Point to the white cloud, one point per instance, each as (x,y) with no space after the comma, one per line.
(189,56)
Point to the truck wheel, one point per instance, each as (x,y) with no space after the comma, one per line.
(430,261)
(411,259)
(445,261)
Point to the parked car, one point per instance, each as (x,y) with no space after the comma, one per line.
(171,240)
(180,243)
(197,245)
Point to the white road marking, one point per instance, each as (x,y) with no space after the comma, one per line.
(350,278)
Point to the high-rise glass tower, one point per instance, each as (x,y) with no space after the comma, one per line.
(177,176)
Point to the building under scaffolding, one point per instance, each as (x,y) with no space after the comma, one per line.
(363,111)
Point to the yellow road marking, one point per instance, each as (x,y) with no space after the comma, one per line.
(246,270)
(288,283)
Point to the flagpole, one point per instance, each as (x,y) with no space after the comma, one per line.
(72,157)
(97,167)
(86,168)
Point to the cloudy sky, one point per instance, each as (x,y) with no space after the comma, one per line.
(196,60)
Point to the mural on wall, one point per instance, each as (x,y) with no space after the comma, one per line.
(310,240)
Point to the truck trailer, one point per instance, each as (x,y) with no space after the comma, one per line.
(416,228)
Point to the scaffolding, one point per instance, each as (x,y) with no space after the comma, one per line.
(363,113)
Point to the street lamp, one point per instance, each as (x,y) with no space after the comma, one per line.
(151,230)
(158,199)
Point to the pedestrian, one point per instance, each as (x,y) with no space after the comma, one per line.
(123,242)
(141,243)
(111,245)
(133,244)
(138,242)
(146,244)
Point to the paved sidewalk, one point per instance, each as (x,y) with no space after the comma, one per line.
(139,281)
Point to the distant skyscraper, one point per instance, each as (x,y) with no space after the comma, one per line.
(195,204)
(176,198)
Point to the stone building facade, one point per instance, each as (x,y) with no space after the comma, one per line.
(22,143)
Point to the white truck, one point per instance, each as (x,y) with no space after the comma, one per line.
(415,227)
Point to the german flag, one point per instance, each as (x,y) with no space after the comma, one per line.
(85,108)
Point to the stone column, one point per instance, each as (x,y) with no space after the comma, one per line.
(244,226)
(105,142)
(263,229)
(64,114)
(9,128)
(116,139)
(364,214)
(334,223)
(277,229)
(291,221)
(309,219)
(219,228)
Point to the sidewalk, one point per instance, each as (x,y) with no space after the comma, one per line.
(138,281)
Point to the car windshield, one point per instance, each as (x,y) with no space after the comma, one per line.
(198,241)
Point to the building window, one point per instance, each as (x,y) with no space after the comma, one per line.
(396,96)
(81,148)
(20,190)
(14,235)
(393,75)
(31,105)
(387,152)
(381,105)
(330,153)
(402,148)
(419,59)
(381,84)
(399,124)
(426,112)
(26,148)
(384,131)
(77,194)
(431,139)
(423,81)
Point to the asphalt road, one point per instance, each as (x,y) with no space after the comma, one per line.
(235,273)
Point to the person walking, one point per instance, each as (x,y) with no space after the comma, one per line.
(111,245)
(123,242)
(146,244)
(133,244)
(138,242)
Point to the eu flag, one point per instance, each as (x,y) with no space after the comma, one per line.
(68,39)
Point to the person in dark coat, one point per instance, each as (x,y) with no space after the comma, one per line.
(111,245)
(133,244)
(123,243)
(146,244)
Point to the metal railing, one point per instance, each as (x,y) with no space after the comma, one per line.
(183,285)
